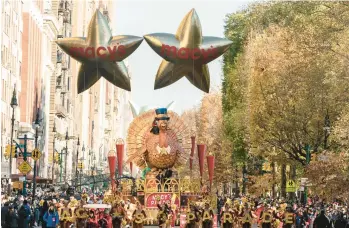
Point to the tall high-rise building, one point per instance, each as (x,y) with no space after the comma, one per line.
(63,141)
(11,67)
(51,28)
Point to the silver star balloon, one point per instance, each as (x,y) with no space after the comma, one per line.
(186,53)
(101,54)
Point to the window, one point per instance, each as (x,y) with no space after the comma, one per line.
(68,84)
(20,70)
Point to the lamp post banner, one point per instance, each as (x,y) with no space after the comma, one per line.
(120,154)
(201,154)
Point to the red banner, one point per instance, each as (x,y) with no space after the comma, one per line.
(192,152)
(151,200)
(210,167)
(112,166)
(201,154)
(120,153)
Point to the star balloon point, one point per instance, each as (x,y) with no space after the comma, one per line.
(101,54)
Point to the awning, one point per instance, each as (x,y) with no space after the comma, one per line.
(15,177)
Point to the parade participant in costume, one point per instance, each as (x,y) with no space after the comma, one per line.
(163,215)
(118,214)
(174,212)
(266,217)
(81,215)
(92,221)
(207,216)
(138,217)
(192,216)
(227,218)
(288,218)
(129,209)
(65,215)
(247,217)
(84,195)
(105,220)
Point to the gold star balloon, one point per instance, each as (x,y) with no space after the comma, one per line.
(186,53)
(101,54)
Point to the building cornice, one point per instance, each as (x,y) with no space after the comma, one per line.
(52,21)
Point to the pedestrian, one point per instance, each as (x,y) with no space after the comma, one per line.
(24,215)
(43,211)
(341,222)
(51,217)
(11,218)
(4,210)
(322,221)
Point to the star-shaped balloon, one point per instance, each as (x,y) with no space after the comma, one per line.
(101,54)
(186,53)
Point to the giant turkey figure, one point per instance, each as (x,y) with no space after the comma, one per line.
(159,143)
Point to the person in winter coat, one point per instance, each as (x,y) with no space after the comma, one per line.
(322,221)
(51,217)
(4,211)
(341,222)
(43,211)
(24,213)
(11,220)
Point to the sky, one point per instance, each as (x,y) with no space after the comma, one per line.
(141,17)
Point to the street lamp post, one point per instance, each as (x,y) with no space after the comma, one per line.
(60,165)
(53,153)
(77,163)
(66,155)
(13,104)
(327,128)
(83,153)
(37,125)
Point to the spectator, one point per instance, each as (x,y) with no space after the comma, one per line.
(11,218)
(51,217)
(24,215)
(4,211)
(322,221)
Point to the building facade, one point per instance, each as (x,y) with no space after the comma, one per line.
(101,113)
(11,68)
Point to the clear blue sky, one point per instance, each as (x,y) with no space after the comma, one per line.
(141,17)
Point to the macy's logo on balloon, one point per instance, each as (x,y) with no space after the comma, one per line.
(101,52)
(187,53)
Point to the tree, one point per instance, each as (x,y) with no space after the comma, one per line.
(333,180)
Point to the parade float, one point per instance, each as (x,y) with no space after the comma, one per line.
(158,141)
(160,144)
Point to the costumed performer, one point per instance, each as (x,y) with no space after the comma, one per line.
(207,216)
(138,216)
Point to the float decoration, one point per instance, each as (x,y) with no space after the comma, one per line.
(112,166)
(120,153)
(101,54)
(201,155)
(186,53)
(155,143)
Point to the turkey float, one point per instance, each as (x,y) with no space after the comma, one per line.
(158,140)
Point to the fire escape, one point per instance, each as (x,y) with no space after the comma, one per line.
(63,60)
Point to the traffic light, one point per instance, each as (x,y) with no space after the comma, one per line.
(8,151)
(80,165)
